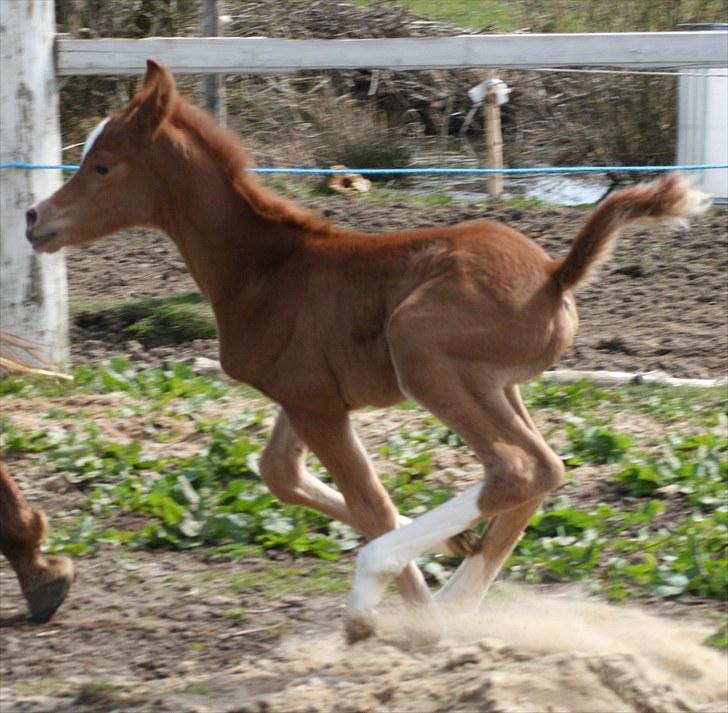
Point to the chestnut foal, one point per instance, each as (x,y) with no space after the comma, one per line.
(325,320)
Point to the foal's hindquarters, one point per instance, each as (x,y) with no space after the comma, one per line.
(500,314)
(463,368)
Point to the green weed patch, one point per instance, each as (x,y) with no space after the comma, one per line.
(659,529)
(151,321)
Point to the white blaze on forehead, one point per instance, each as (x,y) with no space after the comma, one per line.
(95,133)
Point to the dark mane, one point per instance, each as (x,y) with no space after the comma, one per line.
(227,148)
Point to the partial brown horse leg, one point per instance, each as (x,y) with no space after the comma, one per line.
(370,508)
(44,580)
(469,584)
(283,468)
(467,587)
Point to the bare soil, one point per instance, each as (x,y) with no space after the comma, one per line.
(178,631)
(167,631)
(660,303)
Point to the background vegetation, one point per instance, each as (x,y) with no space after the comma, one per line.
(566,15)
(551,118)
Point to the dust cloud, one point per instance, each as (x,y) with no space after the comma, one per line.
(524,652)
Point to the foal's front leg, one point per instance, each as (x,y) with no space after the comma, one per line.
(370,508)
(283,469)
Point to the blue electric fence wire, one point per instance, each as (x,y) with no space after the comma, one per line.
(425,170)
(23,164)
(486,171)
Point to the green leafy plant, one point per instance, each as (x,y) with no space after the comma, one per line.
(595,444)
(660,531)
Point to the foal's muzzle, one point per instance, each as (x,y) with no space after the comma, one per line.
(37,240)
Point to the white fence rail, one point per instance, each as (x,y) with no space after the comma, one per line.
(234,55)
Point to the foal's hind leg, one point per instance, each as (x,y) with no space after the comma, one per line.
(467,587)
(520,469)
(471,581)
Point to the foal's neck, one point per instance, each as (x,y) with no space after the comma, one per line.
(225,243)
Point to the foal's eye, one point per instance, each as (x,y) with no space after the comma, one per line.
(101,169)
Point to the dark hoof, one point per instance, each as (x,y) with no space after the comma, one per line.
(358,629)
(49,588)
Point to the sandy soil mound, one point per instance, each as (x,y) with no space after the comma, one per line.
(524,653)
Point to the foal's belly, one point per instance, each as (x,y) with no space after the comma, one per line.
(366,377)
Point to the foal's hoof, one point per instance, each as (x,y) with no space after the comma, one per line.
(359,627)
(465,544)
(48,587)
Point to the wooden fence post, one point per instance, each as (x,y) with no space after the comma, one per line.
(493,142)
(33,289)
(213,89)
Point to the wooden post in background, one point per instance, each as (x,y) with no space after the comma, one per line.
(213,89)
(493,142)
(33,289)
(73,17)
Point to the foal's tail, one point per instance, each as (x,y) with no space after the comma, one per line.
(669,199)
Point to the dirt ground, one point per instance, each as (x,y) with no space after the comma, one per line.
(177,631)
(154,632)
(658,305)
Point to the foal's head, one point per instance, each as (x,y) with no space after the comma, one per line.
(115,186)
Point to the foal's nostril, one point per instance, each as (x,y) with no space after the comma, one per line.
(30,217)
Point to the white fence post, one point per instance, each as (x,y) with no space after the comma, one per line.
(33,289)
(702,135)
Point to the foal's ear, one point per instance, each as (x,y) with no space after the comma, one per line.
(155,100)
(155,72)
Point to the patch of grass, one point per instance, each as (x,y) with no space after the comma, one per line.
(235,552)
(153,387)
(704,407)
(526,202)
(695,466)
(475,14)
(595,444)
(275,579)
(97,687)
(566,15)
(152,321)
(625,551)
(719,640)
(212,498)
(98,694)
(438,198)
(38,685)
(667,540)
